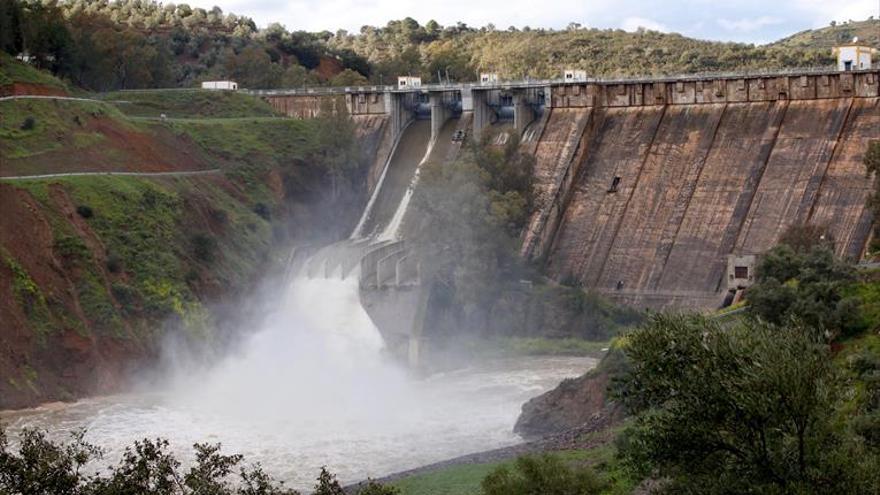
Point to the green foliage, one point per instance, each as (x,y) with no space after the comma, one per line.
(374,488)
(28,124)
(85,211)
(29,295)
(72,249)
(137,44)
(405,47)
(469,214)
(39,465)
(805,286)
(204,248)
(544,474)
(747,408)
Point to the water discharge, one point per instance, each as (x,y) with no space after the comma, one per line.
(314,387)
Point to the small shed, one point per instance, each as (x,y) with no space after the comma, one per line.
(854,56)
(409,82)
(489,78)
(572,75)
(224,85)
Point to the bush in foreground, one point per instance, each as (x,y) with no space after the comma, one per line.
(747,408)
(41,466)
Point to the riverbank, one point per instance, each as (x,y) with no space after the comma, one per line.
(591,444)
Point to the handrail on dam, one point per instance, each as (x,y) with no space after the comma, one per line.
(537,83)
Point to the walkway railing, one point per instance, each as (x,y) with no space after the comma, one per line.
(535,83)
(530,83)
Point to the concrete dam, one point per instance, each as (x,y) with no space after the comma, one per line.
(644,187)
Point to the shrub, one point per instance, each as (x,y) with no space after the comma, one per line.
(545,474)
(85,211)
(126,295)
(263,211)
(28,124)
(40,465)
(219,216)
(114,263)
(204,247)
(71,248)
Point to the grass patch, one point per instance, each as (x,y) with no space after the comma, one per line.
(253,141)
(466,479)
(55,125)
(189,103)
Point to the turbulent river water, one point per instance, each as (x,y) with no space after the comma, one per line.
(314,388)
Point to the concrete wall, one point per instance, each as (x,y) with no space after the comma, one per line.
(306,106)
(706,180)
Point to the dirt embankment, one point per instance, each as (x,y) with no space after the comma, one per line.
(38,291)
(575,402)
(21,89)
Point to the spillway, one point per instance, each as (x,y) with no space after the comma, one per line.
(411,150)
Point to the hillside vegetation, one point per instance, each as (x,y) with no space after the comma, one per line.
(129,44)
(189,103)
(867,31)
(111,265)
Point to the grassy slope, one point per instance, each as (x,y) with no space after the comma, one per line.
(148,226)
(189,103)
(56,125)
(252,140)
(136,261)
(13,71)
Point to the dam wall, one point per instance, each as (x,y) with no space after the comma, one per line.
(644,187)
(677,176)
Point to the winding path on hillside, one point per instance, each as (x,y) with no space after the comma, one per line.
(49,97)
(129,174)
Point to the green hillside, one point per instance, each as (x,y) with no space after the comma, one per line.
(868,32)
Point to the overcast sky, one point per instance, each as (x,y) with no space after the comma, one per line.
(755,21)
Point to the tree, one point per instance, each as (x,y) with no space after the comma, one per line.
(252,68)
(337,133)
(11,36)
(807,286)
(348,77)
(747,408)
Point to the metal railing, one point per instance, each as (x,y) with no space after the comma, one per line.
(536,83)
(532,83)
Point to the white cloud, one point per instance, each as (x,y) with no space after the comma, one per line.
(748,25)
(634,23)
(824,11)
